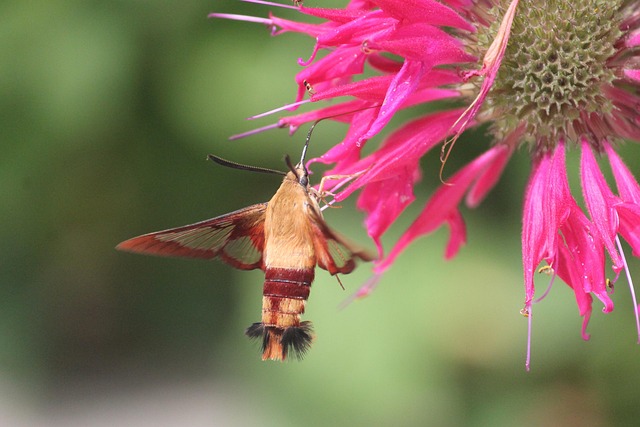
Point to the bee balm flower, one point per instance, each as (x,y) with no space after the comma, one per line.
(549,76)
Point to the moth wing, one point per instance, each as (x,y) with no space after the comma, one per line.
(237,238)
(335,253)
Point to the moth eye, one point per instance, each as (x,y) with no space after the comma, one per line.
(304,181)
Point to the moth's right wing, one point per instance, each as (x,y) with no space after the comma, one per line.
(237,238)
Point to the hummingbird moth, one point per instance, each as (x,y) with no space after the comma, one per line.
(285,237)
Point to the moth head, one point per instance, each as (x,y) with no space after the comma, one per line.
(299,171)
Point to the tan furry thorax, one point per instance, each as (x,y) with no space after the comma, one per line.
(288,233)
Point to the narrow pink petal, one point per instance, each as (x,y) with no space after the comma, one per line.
(370,89)
(384,64)
(533,230)
(569,272)
(423,42)
(633,75)
(442,207)
(457,233)
(630,225)
(600,202)
(340,16)
(402,85)
(405,146)
(548,204)
(625,122)
(587,254)
(628,187)
(585,323)
(633,40)
(342,63)
(384,201)
(347,152)
(459,4)
(429,95)
(428,11)
(375,89)
(354,32)
(312,30)
(343,112)
(488,178)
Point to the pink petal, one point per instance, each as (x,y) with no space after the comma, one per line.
(488,178)
(628,187)
(458,234)
(402,85)
(427,11)
(567,271)
(343,112)
(633,75)
(587,255)
(633,40)
(423,42)
(442,207)
(404,147)
(384,201)
(630,225)
(312,30)
(354,32)
(339,16)
(343,63)
(460,4)
(347,152)
(383,64)
(600,202)
(371,89)
(547,205)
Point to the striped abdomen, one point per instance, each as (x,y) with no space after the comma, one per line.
(285,293)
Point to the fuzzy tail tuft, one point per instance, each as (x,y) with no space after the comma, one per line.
(278,343)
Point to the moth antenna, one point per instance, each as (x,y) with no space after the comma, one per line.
(234,165)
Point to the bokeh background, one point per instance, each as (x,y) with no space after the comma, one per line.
(107,112)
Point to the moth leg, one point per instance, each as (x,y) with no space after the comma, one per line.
(322,194)
(346,179)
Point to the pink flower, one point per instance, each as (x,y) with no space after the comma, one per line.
(549,76)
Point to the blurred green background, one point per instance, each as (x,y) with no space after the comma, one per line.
(107,112)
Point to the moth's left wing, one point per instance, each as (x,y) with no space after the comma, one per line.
(334,252)
(237,238)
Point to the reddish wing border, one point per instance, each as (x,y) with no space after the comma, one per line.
(335,253)
(237,238)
